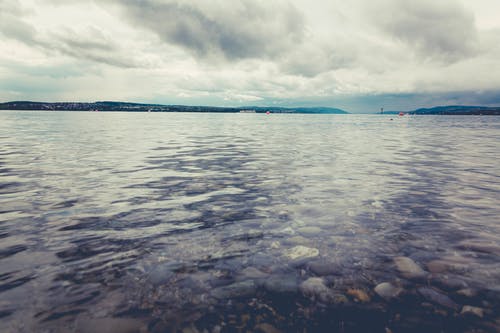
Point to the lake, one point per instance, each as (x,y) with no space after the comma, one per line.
(194,222)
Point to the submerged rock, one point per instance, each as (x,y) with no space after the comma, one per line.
(448,283)
(437,298)
(275,245)
(251,273)
(490,248)
(266,328)
(239,289)
(310,231)
(467,292)
(301,252)
(359,295)
(161,274)
(281,284)
(323,267)
(288,231)
(315,287)
(190,329)
(408,268)
(297,240)
(387,290)
(437,266)
(443,265)
(472,310)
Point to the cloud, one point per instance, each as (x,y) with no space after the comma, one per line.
(91,45)
(12,7)
(317,57)
(11,26)
(438,30)
(233,30)
(88,44)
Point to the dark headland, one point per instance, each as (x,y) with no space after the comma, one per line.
(458,110)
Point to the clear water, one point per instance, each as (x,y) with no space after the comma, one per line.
(166,222)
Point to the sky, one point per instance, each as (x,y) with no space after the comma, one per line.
(356,55)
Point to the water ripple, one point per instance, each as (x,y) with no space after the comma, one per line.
(168,222)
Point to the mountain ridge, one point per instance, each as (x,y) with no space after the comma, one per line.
(457,110)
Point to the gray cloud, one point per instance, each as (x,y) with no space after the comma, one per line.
(315,58)
(14,28)
(67,43)
(12,7)
(91,45)
(11,26)
(442,30)
(234,30)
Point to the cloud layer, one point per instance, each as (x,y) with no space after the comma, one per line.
(442,29)
(237,29)
(337,53)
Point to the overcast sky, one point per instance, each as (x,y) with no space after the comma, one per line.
(357,55)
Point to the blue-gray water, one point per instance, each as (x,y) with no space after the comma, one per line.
(137,222)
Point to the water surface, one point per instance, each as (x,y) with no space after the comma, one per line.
(167,222)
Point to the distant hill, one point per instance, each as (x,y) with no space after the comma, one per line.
(138,107)
(457,110)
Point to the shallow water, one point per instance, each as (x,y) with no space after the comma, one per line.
(135,222)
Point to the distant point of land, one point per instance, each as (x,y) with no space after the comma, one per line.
(458,110)
(453,110)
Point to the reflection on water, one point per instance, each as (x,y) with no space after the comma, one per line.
(232,223)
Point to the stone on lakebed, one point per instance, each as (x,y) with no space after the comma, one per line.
(472,310)
(387,290)
(409,268)
(301,252)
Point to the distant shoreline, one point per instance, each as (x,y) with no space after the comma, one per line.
(107,106)
(137,107)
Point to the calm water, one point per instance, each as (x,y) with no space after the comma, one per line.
(135,222)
